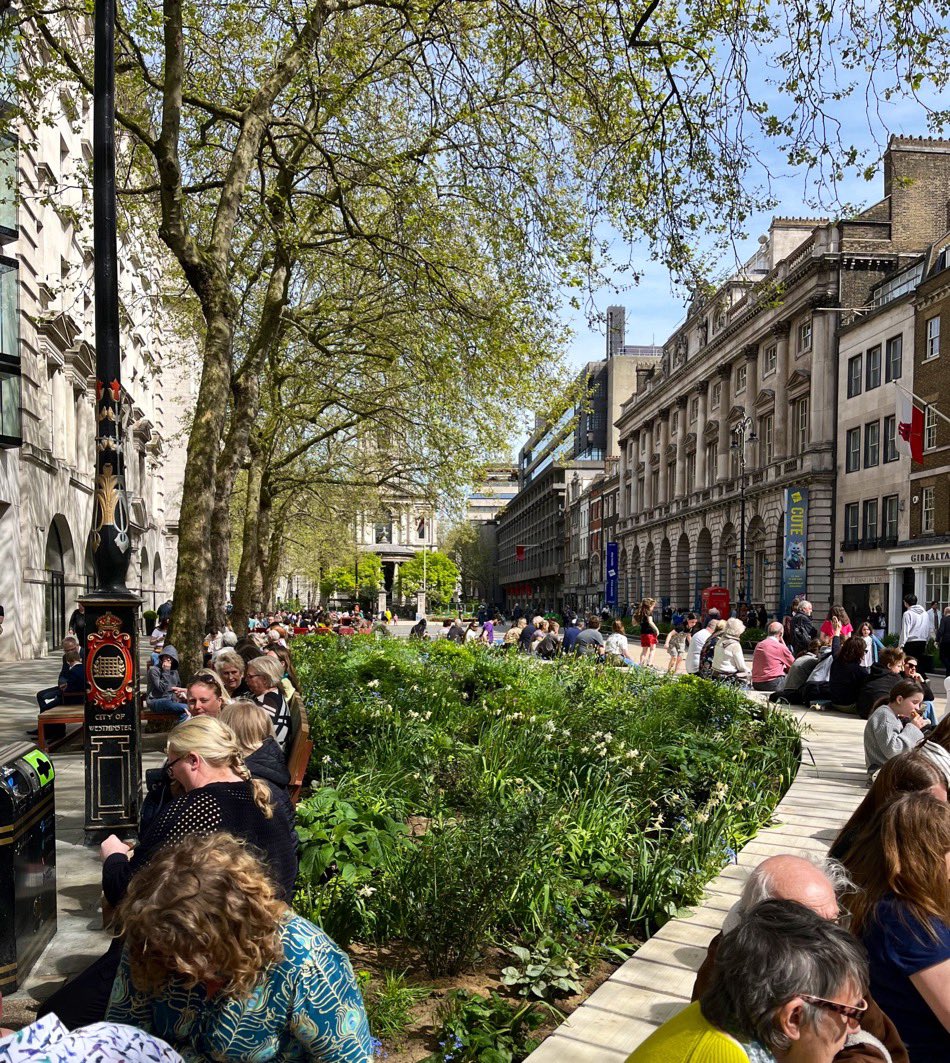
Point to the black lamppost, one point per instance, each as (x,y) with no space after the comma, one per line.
(112,755)
(742,433)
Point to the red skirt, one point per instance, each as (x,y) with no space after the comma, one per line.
(647,641)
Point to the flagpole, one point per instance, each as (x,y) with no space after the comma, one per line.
(922,402)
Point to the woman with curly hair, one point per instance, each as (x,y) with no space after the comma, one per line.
(216,964)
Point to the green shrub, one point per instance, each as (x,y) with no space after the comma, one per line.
(476,1029)
(389,1002)
(544,797)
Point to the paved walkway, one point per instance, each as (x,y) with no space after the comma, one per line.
(79,936)
(657,981)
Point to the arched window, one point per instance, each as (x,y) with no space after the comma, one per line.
(58,559)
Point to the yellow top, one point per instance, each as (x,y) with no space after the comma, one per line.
(689,1038)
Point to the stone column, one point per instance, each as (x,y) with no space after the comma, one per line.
(751,379)
(636,502)
(648,500)
(780,423)
(700,429)
(663,491)
(682,425)
(821,412)
(622,501)
(722,457)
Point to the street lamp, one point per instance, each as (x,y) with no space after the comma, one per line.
(743,432)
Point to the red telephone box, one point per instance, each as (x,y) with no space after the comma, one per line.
(716,598)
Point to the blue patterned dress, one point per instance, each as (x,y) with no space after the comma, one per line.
(307,1008)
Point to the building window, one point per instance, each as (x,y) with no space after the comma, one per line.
(927,511)
(641,501)
(711,461)
(852,452)
(801,424)
(938,584)
(766,438)
(872,444)
(770,359)
(851,523)
(671,481)
(872,369)
(889,504)
(854,375)
(690,472)
(890,438)
(869,522)
(893,358)
(655,486)
(804,336)
(716,395)
(930,428)
(741,376)
(674,422)
(694,408)
(932,345)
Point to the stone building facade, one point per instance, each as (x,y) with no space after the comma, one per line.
(762,350)
(47,382)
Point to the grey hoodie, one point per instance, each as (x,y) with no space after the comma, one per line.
(916,625)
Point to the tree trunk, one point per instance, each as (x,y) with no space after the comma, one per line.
(275,551)
(190,603)
(248,572)
(263,545)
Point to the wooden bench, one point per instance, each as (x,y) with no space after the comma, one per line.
(301,747)
(73,715)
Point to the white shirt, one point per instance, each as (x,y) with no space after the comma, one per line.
(696,644)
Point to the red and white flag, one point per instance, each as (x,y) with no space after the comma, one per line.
(910,428)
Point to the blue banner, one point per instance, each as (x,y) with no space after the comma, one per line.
(795,557)
(610,592)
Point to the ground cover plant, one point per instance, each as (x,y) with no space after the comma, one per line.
(484,819)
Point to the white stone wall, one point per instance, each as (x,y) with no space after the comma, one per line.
(47,483)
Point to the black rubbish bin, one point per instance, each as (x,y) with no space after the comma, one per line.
(27,860)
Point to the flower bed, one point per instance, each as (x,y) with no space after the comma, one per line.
(489,822)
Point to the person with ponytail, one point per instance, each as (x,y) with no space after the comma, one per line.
(218,795)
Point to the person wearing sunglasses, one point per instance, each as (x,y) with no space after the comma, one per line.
(901,864)
(817,884)
(787,987)
(218,794)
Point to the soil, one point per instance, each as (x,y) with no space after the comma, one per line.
(418,1040)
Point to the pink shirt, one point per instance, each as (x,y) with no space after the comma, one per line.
(770,660)
(846,630)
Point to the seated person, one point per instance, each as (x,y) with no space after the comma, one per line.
(909,670)
(617,646)
(549,646)
(590,642)
(165,692)
(418,629)
(263,676)
(894,726)
(799,671)
(902,914)
(230,665)
(787,986)
(218,794)
(238,975)
(254,733)
(71,686)
(848,675)
(771,659)
(883,676)
(728,664)
(922,769)
(815,884)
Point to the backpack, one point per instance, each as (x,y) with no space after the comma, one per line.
(706,656)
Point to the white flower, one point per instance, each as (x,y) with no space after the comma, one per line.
(607,736)
(366,891)
(327,759)
(373,683)
(701,817)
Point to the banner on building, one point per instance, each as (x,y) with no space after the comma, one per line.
(610,591)
(795,557)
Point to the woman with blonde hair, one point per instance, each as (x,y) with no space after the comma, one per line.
(263,677)
(218,794)
(649,632)
(217,965)
(254,732)
(901,864)
(206,693)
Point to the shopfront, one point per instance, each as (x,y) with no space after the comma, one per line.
(924,572)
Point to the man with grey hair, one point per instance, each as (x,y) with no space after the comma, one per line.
(816,884)
(802,629)
(771,659)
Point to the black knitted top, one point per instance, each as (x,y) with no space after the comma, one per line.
(218,806)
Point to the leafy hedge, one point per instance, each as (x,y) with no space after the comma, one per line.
(464,796)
